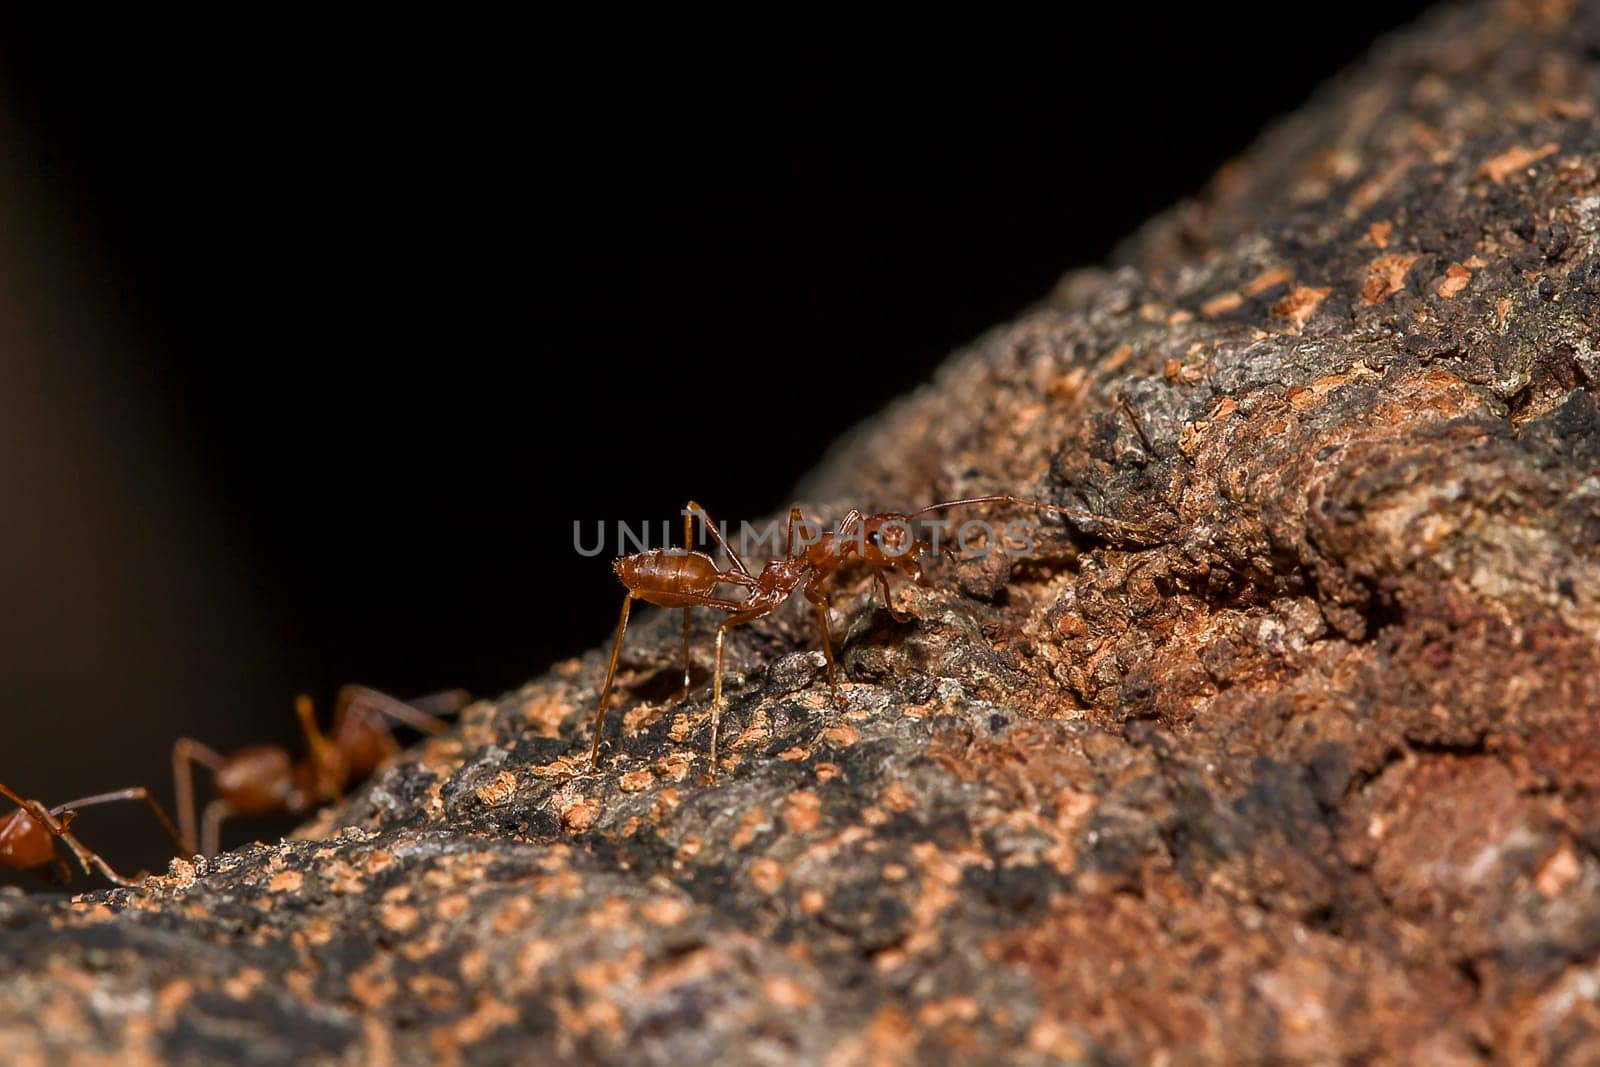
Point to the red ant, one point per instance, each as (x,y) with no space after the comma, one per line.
(263,779)
(671,578)
(28,834)
(686,578)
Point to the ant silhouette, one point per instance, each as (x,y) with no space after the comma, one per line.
(669,577)
(28,834)
(265,780)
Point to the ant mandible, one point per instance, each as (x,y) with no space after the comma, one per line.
(28,834)
(885,542)
(265,780)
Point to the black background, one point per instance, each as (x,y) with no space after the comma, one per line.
(318,338)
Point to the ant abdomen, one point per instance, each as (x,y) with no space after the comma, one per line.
(669,571)
(24,842)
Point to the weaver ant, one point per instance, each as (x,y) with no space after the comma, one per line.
(265,780)
(28,835)
(687,578)
(671,578)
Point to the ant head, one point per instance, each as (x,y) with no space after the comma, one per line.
(888,540)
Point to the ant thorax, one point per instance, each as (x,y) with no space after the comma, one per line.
(782,575)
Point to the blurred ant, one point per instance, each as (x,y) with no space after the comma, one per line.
(28,834)
(264,780)
(885,542)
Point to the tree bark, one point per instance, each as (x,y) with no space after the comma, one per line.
(1280,743)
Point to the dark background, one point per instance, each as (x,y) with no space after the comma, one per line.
(315,339)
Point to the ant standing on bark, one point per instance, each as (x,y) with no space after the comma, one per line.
(671,578)
(28,835)
(885,542)
(265,780)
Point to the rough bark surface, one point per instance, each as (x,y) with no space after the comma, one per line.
(1283,745)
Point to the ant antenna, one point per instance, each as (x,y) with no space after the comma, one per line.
(990,500)
(65,813)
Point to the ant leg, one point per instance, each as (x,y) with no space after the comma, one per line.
(852,518)
(739,575)
(685,694)
(716,682)
(611,676)
(90,861)
(354,699)
(20,801)
(58,829)
(331,770)
(443,704)
(211,834)
(716,535)
(795,515)
(688,546)
(819,600)
(716,703)
(888,600)
(616,651)
(137,792)
(185,753)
